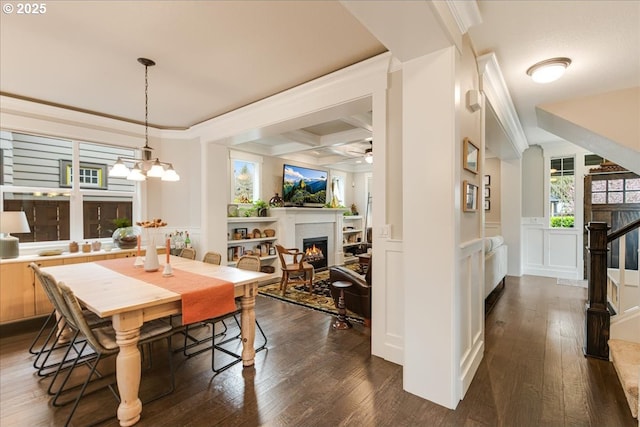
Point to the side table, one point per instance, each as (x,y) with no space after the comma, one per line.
(341,321)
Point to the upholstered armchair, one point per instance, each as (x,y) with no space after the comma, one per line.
(357,297)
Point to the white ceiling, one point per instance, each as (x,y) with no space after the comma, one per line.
(215,56)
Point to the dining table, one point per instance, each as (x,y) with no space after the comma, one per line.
(129,296)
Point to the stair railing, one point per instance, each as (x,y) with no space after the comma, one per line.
(598,317)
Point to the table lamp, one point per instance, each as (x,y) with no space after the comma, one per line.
(12,222)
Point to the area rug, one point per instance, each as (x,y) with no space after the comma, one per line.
(320,299)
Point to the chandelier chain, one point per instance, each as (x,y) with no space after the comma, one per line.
(146,106)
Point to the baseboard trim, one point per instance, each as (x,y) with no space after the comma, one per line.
(32,324)
(491,299)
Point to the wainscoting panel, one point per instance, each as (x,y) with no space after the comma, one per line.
(562,250)
(534,247)
(551,252)
(387,334)
(470,311)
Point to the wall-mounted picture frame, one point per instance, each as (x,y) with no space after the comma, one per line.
(470,156)
(487,192)
(487,180)
(487,205)
(469,197)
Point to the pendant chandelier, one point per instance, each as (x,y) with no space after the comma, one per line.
(148,166)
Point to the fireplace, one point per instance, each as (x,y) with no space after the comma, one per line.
(316,250)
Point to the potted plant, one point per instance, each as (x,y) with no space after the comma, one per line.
(125,236)
(261,207)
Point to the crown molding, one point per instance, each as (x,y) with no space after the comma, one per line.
(465,13)
(495,89)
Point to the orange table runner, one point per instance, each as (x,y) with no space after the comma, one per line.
(202,297)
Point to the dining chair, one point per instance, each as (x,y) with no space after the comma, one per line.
(188,253)
(295,270)
(190,339)
(60,339)
(212,258)
(246,262)
(250,263)
(102,340)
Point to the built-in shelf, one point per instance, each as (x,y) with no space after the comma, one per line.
(352,233)
(261,239)
(262,258)
(347,245)
(251,219)
(262,246)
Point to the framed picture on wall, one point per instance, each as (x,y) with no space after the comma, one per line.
(487,205)
(469,197)
(487,180)
(487,192)
(470,156)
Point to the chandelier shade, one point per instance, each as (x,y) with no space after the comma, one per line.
(147,166)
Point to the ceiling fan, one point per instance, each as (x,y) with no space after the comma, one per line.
(368,153)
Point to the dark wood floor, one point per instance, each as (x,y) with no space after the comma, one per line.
(533,374)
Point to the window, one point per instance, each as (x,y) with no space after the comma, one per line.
(615,191)
(91,175)
(245,181)
(562,192)
(337,190)
(39,180)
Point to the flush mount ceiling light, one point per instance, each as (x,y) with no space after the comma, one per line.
(548,70)
(147,166)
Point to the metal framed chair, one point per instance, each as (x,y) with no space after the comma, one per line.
(188,253)
(191,341)
(295,271)
(212,258)
(102,341)
(247,262)
(60,340)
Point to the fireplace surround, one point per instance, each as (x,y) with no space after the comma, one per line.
(297,224)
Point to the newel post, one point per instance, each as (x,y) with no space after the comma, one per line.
(597,314)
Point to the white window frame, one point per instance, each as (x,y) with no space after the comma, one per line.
(76,196)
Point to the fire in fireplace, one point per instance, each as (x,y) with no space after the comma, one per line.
(315,249)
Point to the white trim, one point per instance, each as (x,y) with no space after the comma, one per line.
(495,89)
(465,13)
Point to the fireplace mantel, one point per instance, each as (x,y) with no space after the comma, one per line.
(295,224)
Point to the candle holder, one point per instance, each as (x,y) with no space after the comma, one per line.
(168,270)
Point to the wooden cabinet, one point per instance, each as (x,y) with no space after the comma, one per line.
(16,293)
(22,296)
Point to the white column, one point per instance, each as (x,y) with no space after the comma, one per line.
(429,219)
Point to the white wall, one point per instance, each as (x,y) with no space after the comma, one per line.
(547,251)
(442,246)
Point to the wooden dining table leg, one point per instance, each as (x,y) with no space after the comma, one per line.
(248,323)
(128,366)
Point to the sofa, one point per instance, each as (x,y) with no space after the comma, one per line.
(495,269)
(357,297)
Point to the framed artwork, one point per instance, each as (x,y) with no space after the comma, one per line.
(469,197)
(487,205)
(487,180)
(242,232)
(487,192)
(470,156)
(232,210)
